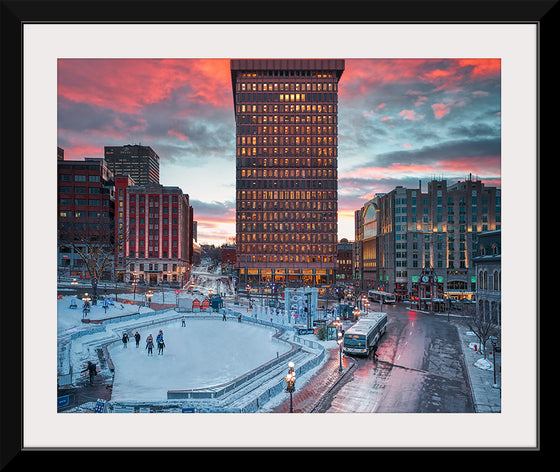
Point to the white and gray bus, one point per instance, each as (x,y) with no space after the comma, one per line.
(361,337)
(380,295)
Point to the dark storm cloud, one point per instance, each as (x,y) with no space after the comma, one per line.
(447,151)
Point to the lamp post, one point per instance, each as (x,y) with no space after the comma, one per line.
(338,324)
(356,312)
(339,341)
(134,287)
(493,341)
(149,295)
(291,383)
(86,299)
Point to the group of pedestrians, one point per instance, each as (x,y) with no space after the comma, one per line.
(149,342)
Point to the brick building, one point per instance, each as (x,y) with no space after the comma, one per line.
(154,233)
(85,207)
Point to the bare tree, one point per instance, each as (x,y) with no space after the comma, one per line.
(483,328)
(93,240)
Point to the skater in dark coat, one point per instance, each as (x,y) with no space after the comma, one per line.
(160,346)
(125,339)
(149,344)
(137,338)
(92,370)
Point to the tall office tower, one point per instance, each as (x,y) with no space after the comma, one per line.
(140,162)
(286,143)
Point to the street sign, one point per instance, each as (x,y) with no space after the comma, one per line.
(99,406)
(177,292)
(62,401)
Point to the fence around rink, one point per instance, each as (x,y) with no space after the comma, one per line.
(182,397)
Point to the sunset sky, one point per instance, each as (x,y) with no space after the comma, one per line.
(400,121)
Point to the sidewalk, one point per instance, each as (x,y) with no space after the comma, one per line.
(486,398)
(83,396)
(307,397)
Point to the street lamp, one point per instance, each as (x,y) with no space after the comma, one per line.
(149,295)
(339,341)
(493,341)
(134,286)
(86,299)
(356,312)
(291,383)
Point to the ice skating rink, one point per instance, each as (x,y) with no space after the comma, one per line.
(204,353)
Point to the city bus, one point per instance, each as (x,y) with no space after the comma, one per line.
(379,295)
(360,338)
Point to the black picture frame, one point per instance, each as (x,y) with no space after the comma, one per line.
(15,14)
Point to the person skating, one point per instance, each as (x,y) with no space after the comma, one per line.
(160,346)
(125,339)
(150,344)
(92,370)
(159,336)
(137,338)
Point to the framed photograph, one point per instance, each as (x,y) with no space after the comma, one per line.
(428,99)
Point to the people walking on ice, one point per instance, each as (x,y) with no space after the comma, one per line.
(160,346)
(150,344)
(125,339)
(159,336)
(183,321)
(137,338)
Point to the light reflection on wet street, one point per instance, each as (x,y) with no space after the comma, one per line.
(419,370)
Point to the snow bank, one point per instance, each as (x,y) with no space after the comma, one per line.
(484,364)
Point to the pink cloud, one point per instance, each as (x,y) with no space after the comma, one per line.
(440,110)
(126,85)
(408,115)
(181,136)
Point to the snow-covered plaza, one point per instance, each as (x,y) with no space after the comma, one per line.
(204,350)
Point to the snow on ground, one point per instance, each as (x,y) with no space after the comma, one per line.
(201,354)
(71,318)
(484,364)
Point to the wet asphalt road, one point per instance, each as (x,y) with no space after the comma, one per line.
(419,369)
